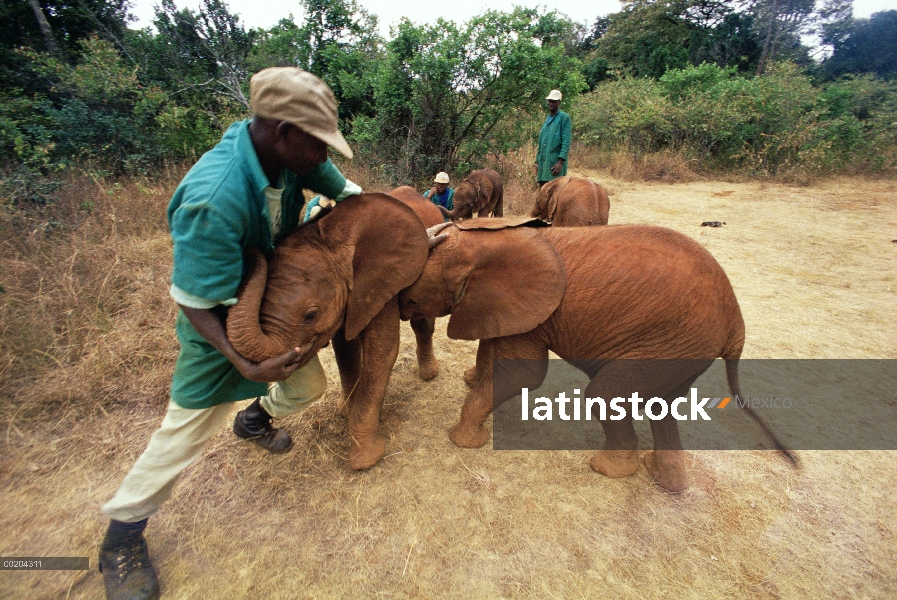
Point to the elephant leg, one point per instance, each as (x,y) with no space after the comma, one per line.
(379,349)
(619,455)
(470,376)
(478,371)
(667,462)
(666,379)
(427,365)
(348,361)
(528,371)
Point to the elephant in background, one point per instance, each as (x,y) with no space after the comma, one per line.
(481,192)
(572,202)
(337,279)
(592,295)
(427,365)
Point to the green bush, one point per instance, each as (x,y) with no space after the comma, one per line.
(767,125)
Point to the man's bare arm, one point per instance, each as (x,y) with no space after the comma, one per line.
(209,326)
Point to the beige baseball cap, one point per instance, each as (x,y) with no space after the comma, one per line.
(298,97)
(441,177)
(554,95)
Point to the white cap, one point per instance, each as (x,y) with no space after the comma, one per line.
(441,177)
(554,95)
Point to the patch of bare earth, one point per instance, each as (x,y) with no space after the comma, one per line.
(815,271)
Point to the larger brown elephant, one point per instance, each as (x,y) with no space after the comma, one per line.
(481,192)
(572,202)
(337,279)
(591,295)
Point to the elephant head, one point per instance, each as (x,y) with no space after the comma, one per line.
(571,202)
(480,192)
(338,271)
(464,280)
(547,199)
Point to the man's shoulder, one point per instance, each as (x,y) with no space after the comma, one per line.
(222,176)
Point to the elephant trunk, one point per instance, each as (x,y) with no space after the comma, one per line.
(446,214)
(243,327)
(451,214)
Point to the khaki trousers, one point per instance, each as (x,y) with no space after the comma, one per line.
(184,435)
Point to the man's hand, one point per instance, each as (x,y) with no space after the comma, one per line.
(432,191)
(317,208)
(210,326)
(556,168)
(278,368)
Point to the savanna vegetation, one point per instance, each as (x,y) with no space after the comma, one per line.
(99,121)
(726,86)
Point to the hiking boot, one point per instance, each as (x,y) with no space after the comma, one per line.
(127,571)
(253,423)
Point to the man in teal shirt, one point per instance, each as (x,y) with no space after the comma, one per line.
(554,141)
(245,192)
(441,194)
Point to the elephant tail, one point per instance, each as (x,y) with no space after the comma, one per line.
(732,376)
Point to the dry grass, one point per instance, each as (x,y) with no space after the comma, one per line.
(814,269)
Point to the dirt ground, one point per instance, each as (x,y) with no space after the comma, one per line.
(815,270)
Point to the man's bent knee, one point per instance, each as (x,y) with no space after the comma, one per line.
(299,391)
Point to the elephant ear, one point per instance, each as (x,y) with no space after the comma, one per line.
(484,192)
(551,190)
(387,245)
(515,279)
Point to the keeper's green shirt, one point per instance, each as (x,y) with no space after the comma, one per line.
(219,209)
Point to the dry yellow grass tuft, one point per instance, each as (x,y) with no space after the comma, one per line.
(87,352)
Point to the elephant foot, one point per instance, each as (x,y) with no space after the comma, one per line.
(470,377)
(469,436)
(615,463)
(366,454)
(667,469)
(428,368)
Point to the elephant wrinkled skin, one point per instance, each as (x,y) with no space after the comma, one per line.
(481,192)
(337,279)
(572,202)
(591,295)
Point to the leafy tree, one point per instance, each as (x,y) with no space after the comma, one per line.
(648,37)
(595,69)
(206,51)
(447,95)
(865,46)
(96,113)
(59,25)
(780,24)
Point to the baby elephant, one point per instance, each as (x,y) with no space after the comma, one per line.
(572,202)
(481,192)
(592,295)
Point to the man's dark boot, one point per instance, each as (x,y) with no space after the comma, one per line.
(125,565)
(253,423)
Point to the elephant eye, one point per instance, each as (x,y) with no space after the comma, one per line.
(311,315)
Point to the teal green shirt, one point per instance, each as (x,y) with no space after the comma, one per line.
(444,200)
(554,143)
(217,211)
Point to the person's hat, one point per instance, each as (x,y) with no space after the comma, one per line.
(298,97)
(441,177)
(554,95)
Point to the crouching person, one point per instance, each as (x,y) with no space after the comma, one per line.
(245,192)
